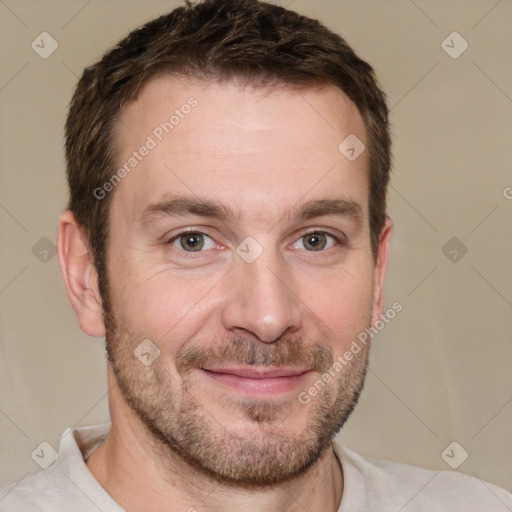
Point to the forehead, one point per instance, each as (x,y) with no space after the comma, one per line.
(244,145)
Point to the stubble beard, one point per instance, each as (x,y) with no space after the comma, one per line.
(263,455)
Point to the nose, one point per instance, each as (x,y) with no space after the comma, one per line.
(261,300)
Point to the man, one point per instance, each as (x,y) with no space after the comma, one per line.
(227,234)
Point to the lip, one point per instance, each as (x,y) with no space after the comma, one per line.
(260,380)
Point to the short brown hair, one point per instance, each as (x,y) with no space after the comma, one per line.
(215,40)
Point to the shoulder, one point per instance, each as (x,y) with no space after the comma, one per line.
(56,489)
(396,486)
(42,492)
(67,484)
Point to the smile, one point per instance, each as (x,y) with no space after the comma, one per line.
(256,381)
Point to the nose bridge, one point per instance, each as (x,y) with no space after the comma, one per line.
(261,299)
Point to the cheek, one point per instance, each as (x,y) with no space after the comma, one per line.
(343,303)
(161,306)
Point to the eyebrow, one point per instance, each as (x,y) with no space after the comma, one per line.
(327,207)
(177,206)
(189,205)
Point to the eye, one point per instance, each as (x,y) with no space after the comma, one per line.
(192,241)
(315,241)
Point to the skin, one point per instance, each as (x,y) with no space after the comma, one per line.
(262,153)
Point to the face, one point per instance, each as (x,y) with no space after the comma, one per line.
(239,249)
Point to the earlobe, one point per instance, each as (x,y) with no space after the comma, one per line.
(80,278)
(380,270)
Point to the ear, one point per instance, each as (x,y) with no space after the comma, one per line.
(80,277)
(380,270)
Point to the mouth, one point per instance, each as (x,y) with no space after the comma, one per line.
(258,380)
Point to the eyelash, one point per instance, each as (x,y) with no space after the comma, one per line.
(340,241)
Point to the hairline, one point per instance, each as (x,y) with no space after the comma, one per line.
(267,85)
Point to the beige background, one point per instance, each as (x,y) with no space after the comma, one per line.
(440,372)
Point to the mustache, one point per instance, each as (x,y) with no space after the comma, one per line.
(284,352)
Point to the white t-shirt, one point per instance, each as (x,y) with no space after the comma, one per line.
(370,485)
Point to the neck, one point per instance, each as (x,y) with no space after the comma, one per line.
(141,476)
